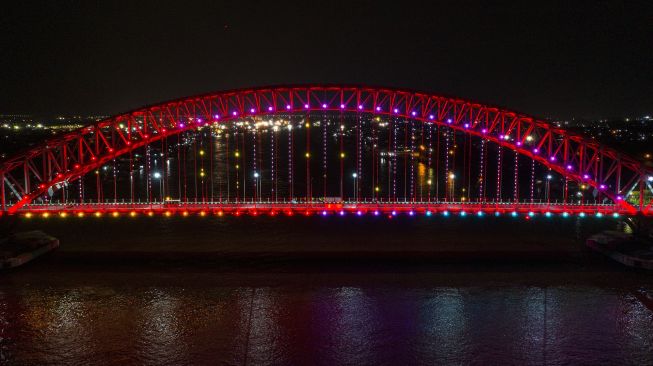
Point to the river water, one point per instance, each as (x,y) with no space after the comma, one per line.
(583,311)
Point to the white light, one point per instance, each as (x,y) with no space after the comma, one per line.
(549,176)
(650,178)
(354,175)
(255,174)
(157,175)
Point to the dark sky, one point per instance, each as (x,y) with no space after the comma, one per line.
(556,60)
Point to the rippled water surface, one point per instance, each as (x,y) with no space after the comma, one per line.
(391,319)
(65,310)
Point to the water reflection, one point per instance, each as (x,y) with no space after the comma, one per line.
(208,323)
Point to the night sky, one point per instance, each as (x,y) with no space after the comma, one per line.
(554,60)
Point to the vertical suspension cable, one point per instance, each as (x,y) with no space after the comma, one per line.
(481,173)
(448,174)
(290,161)
(516,178)
(532,180)
(498,199)
(412,161)
(324,156)
(429,152)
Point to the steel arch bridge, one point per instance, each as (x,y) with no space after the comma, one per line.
(327,149)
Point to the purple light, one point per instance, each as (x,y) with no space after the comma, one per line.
(324,105)
(252,110)
(376,212)
(586,176)
(324,213)
(394,213)
(413,113)
(359,213)
(342,106)
(342,213)
(217,116)
(518,143)
(234,113)
(270,108)
(449,120)
(553,158)
(360,107)
(411,213)
(306,106)
(288,107)
(378,109)
(620,198)
(602,186)
(536,150)
(569,167)
(500,137)
(199,120)
(431,116)
(181,125)
(396,110)
(466,125)
(484,130)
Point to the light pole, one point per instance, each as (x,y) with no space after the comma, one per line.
(257,186)
(355,176)
(157,176)
(548,186)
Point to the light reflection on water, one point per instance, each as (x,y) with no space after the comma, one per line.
(357,325)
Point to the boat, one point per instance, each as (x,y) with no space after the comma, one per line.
(623,248)
(20,248)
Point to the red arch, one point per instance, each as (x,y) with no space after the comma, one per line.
(72,155)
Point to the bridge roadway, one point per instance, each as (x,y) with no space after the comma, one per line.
(328,208)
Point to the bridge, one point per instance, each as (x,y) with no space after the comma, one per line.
(323,150)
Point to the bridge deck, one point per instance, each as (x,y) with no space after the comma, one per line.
(342,208)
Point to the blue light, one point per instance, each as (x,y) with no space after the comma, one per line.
(547,214)
(463,213)
(394,213)
(359,213)
(480,214)
(411,213)
(497,213)
(513,214)
(531,214)
(582,214)
(599,215)
(428,213)
(615,215)
(565,214)
(445,213)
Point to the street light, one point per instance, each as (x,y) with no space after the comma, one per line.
(355,176)
(158,176)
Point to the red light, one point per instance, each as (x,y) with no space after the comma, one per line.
(77,166)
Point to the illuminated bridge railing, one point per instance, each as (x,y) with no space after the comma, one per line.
(343,208)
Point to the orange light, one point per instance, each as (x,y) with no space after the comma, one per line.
(80,214)
(202,213)
(46,215)
(185,213)
(98,214)
(150,214)
(132,214)
(168,213)
(63,215)
(28,215)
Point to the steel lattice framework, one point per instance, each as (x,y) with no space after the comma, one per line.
(68,157)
